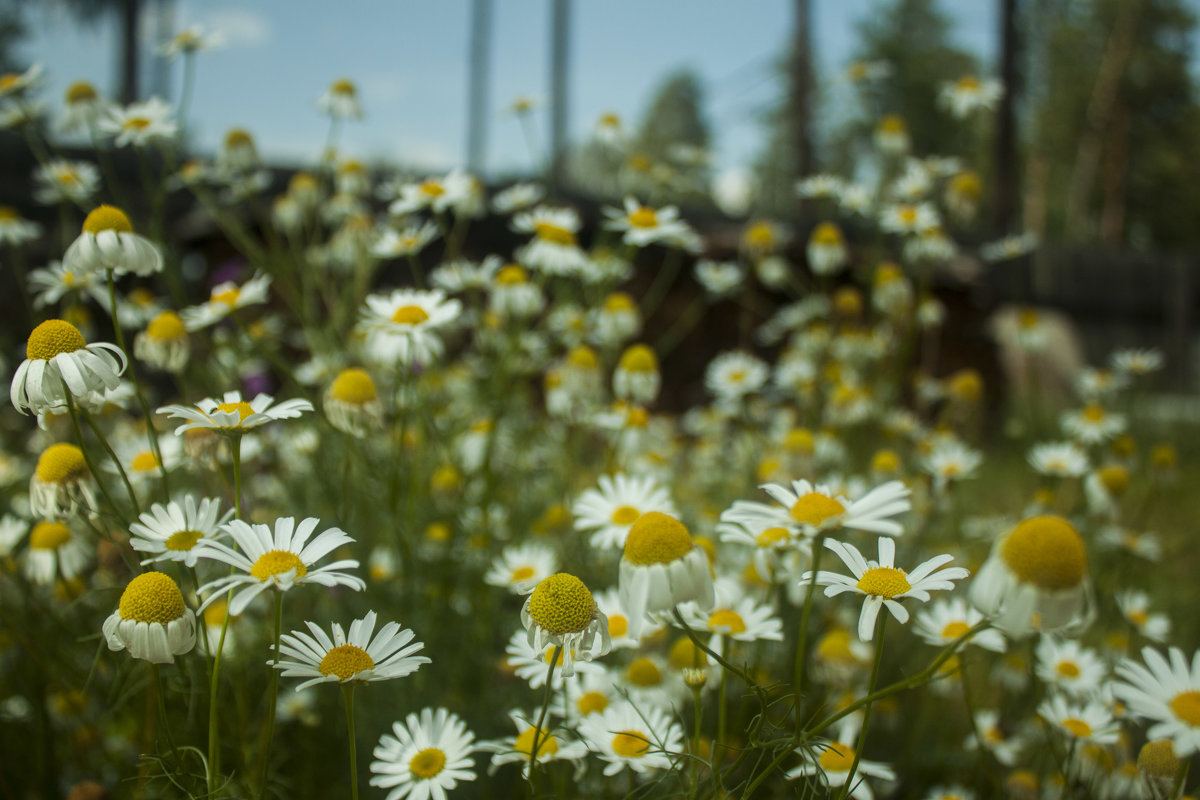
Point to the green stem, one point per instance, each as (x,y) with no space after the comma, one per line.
(87,458)
(662,283)
(537,729)
(272,697)
(799,674)
(880,623)
(214,736)
(348,697)
(162,710)
(721,711)
(236,446)
(137,509)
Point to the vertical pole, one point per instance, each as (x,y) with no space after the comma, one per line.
(559,30)
(164,29)
(477,90)
(130,16)
(1005,198)
(801,89)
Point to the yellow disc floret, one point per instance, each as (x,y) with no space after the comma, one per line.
(353,386)
(61,463)
(643,672)
(1157,759)
(511,275)
(547,745)
(625,515)
(167,326)
(562,604)
(49,536)
(630,744)
(80,92)
(346,661)
(152,597)
(726,621)
(107,218)
(52,337)
(815,508)
(836,758)
(555,234)
(1077,727)
(1047,552)
(643,217)
(410,315)
(183,540)
(657,538)
(883,582)
(427,763)
(639,358)
(1186,706)
(591,703)
(275,562)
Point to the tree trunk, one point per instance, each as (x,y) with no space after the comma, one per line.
(1116,167)
(1005,198)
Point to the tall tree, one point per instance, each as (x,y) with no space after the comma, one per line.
(675,116)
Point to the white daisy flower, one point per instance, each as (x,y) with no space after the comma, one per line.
(55,550)
(1141,544)
(1092,722)
(279,560)
(59,360)
(719,278)
(946,619)
(62,181)
(1135,607)
(562,612)
(402,327)
(661,567)
(359,657)
(137,458)
(15,229)
(968,94)
(587,693)
(521,567)
(826,250)
(832,767)
(61,483)
(139,123)
(435,194)
(951,461)
(811,509)
(521,748)
(424,757)
(735,616)
(532,664)
(340,100)
(641,739)
(512,294)
(1137,362)
(224,300)
(819,186)
(1092,424)
(517,197)
(908,218)
(171,532)
(554,249)
(152,622)
(232,414)
(407,242)
(735,374)
(352,403)
(882,583)
(642,225)
(1059,459)
(609,603)
(1005,748)
(610,511)
(1167,693)
(192,39)
(1069,666)
(13,84)
(54,281)
(1008,248)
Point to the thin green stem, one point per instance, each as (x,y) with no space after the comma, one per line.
(214,735)
(880,623)
(87,459)
(537,729)
(800,674)
(348,698)
(272,696)
(156,677)
(137,509)
(236,446)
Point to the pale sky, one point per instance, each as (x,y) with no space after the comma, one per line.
(409,60)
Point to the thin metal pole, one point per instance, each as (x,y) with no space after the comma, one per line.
(559,32)
(477,88)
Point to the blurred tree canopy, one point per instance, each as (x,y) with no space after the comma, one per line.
(674,116)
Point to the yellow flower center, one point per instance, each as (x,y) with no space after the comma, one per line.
(353,386)
(619,301)
(183,540)
(799,441)
(228,296)
(639,358)
(1186,706)
(427,763)
(1115,479)
(1067,669)
(625,515)
(61,463)
(630,744)
(167,326)
(562,604)
(955,629)
(591,703)
(275,562)
(49,536)
(238,137)
(302,183)
(1138,617)
(657,538)
(521,574)
(760,236)
(1047,552)
(771,536)
(1093,413)
(547,745)
(893,124)
(343,86)
(554,233)
(152,597)
(968,83)
(242,409)
(883,582)
(643,672)
(726,621)
(8,214)
(410,315)
(52,337)
(836,758)
(643,217)
(345,661)
(684,654)
(1157,758)
(827,234)
(835,646)
(144,461)
(967,184)
(815,509)
(438,532)
(618,625)
(511,275)
(137,123)
(1077,727)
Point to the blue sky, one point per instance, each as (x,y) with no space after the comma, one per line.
(410,62)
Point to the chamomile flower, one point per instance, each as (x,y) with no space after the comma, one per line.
(152,622)
(513,295)
(1059,459)
(1135,363)
(968,94)
(1135,607)
(826,251)
(407,242)
(908,218)
(16,84)
(352,403)
(615,321)
(231,414)
(531,664)
(516,197)
(642,225)
(59,360)
(340,100)
(62,181)
(999,743)
(1091,722)
(719,278)
(1166,693)
(945,620)
(610,510)
(139,123)
(554,248)
(55,550)
(731,376)
(1069,666)
(15,229)
(661,567)
(882,583)
(641,739)
(1093,424)
(192,39)
(359,657)
(280,560)
(811,509)
(1036,578)
(524,749)
(951,461)
(519,568)
(562,612)
(609,603)
(139,461)
(171,532)
(402,327)
(61,483)
(164,343)
(735,616)
(636,377)
(424,757)
(832,767)
(226,298)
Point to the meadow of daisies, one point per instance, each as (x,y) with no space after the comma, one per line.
(378,512)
